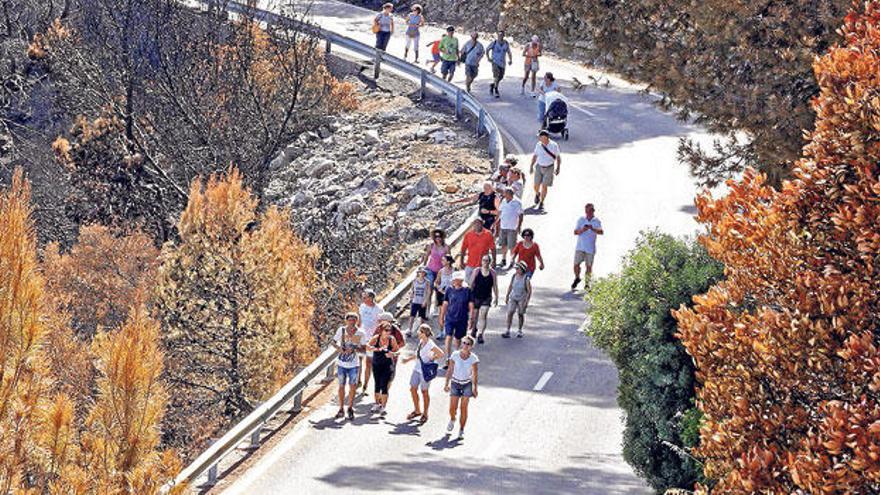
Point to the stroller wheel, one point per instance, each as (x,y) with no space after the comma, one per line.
(565,134)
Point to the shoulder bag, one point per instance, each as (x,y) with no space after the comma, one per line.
(429,370)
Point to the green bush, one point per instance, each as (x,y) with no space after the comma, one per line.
(630,320)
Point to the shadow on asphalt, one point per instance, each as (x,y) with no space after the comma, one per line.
(444,443)
(483,477)
(408,428)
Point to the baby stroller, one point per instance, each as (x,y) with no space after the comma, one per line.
(556,117)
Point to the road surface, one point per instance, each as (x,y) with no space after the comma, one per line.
(565,437)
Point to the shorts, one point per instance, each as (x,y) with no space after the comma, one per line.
(497,71)
(468,271)
(516,307)
(529,274)
(583,257)
(435,57)
(419,310)
(430,276)
(417,380)
(532,67)
(457,329)
(382,39)
(461,389)
(347,375)
(488,221)
(448,67)
(544,175)
(508,238)
(471,71)
(482,302)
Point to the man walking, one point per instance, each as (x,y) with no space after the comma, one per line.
(456,309)
(471,54)
(511,217)
(496,52)
(476,244)
(348,340)
(586,230)
(448,53)
(369,312)
(546,155)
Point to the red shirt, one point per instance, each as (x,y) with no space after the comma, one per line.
(477,246)
(435,48)
(527,255)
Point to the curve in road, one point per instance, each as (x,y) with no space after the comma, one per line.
(561,437)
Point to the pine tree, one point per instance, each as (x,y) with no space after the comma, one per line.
(235,298)
(786,349)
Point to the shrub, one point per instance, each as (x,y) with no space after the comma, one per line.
(787,348)
(630,319)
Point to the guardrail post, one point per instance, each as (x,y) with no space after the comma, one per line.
(255,437)
(458,104)
(493,135)
(328,377)
(327,46)
(424,84)
(481,122)
(297,402)
(212,475)
(377,63)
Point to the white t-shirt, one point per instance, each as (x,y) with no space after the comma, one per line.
(351,341)
(370,318)
(510,212)
(463,371)
(517,187)
(426,353)
(587,241)
(544,159)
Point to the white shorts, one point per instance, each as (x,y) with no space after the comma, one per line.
(583,257)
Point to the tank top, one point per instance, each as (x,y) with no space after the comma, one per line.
(487,202)
(380,358)
(435,259)
(445,279)
(420,289)
(413,21)
(482,287)
(518,291)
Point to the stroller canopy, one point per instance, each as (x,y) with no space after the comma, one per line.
(557,105)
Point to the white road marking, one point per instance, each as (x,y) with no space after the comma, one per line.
(543,381)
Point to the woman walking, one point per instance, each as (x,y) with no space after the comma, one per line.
(349,339)
(518,295)
(444,280)
(462,376)
(425,370)
(548,84)
(483,284)
(487,202)
(531,52)
(433,261)
(383,26)
(414,22)
(384,347)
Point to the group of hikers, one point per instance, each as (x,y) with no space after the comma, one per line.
(459,290)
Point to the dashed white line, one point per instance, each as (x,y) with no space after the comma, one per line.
(543,381)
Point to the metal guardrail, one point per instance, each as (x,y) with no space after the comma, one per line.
(251,426)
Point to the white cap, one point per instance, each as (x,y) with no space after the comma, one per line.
(385,316)
(459,275)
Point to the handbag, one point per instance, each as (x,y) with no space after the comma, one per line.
(344,356)
(376,27)
(429,370)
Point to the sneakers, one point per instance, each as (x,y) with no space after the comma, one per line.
(537,199)
(461,434)
(506,334)
(541,206)
(375,408)
(351,414)
(519,334)
(491,88)
(480,339)
(382,412)
(574,284)
(451,425)
(340,413)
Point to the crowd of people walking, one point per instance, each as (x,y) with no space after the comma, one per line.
(458,291)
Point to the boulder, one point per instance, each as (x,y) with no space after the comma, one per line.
(318,168)
(371,137)
(352,205)
(417,203)
(425,186)
(300,199)
(451,188)
(324,132)
(373,183)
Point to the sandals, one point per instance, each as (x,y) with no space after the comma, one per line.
(413,415)
(423,419)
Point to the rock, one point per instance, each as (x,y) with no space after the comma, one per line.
(462,169)
(371,137)
(401,174)
(300,199)
(425,186)
(438,137)
(318,168)
(408,193)
(324,132)
(450,188)
(418,203)
(419,232)
(373,183)
(426,131)
(352,205)
(291,152)
(279,162)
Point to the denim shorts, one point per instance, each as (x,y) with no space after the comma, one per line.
(347,375)
(448,67)
(461,389)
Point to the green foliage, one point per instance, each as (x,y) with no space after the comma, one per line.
(630,320)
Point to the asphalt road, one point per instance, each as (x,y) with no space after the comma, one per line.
(566,437)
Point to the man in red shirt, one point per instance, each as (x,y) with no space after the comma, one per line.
(527,251)
(477,243)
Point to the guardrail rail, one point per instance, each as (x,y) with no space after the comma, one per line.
(252,425)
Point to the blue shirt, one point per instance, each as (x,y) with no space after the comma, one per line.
(499,51)
(458,299)
(473,54)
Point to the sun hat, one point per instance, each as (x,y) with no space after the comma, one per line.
(522,266)
(459,275)
(385,316)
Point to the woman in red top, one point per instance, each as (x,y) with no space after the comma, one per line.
(527,251)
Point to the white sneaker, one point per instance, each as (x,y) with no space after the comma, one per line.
(461,434)
(375,408)
(451,425)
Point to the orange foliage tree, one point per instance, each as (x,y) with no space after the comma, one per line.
(96,282)
(787,349)
(236,299)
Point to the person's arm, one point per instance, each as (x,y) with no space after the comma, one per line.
(467,199)
(509,289)
(532,166)
(489,51)
(462,253)
(443,312)
(370,345)
(476,378)
(391,18)
(558,160)
(449,374)
(582,229)
(538,255)
(509,55)
(519,223)
(437,353)
(336,345)
(495,286)
(528,291)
